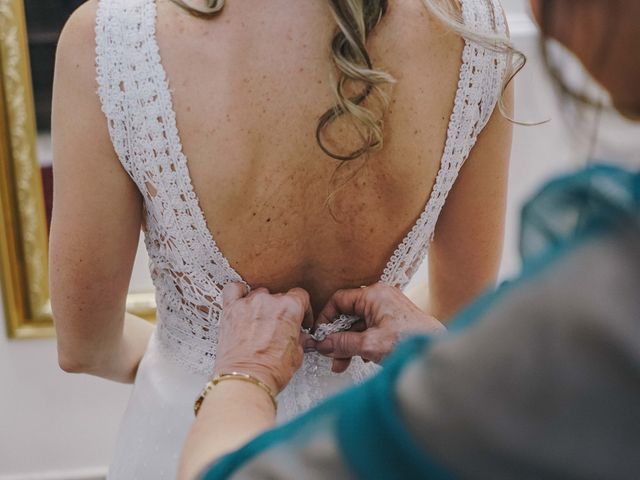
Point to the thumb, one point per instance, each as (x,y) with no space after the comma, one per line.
(342,345)
(232,292)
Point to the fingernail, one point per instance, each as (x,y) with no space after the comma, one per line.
(309,345)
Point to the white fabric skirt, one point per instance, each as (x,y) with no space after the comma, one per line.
(160,411)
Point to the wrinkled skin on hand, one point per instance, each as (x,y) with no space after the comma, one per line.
(388,317)
(260,334)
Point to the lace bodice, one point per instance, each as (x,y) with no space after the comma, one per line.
(187,268)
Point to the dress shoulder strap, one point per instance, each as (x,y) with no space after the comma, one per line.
(480,84)
(125,52)
(487,17)
(480,87)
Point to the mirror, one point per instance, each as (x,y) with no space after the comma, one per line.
(44,23)
(29,30)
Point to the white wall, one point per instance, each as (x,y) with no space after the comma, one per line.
(51,422)
(543,151)
(59,426)
(54,425)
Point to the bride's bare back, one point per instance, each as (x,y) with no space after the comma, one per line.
(248,89)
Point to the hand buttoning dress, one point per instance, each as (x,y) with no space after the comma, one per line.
(188,269)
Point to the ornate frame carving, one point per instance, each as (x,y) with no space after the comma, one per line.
(23,235)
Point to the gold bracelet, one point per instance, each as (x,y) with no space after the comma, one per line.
(243,377)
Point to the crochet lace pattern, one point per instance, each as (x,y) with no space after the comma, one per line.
(187,267)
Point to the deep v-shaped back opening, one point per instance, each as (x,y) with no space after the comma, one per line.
(438,189)
(186,265)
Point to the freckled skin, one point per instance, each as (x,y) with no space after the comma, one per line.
(248,99)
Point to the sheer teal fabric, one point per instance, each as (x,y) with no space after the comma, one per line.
(573,207)
(362,430)
(363,420)
(565,212)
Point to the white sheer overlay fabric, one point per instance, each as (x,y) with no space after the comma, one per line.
(188,269)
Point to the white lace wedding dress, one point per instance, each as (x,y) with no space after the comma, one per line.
(188,269)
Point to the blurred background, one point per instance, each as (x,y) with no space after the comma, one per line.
(58,426)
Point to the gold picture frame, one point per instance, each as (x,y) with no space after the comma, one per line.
(23,230)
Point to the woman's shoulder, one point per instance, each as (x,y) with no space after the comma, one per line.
(433,29)
(79,30)
(93,29)
(486,16)
(76,46)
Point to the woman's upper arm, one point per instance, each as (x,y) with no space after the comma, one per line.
(97,208)
(464,257)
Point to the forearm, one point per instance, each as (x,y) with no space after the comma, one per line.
(452,286)
(114,356)
(233,413)
(122,366)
